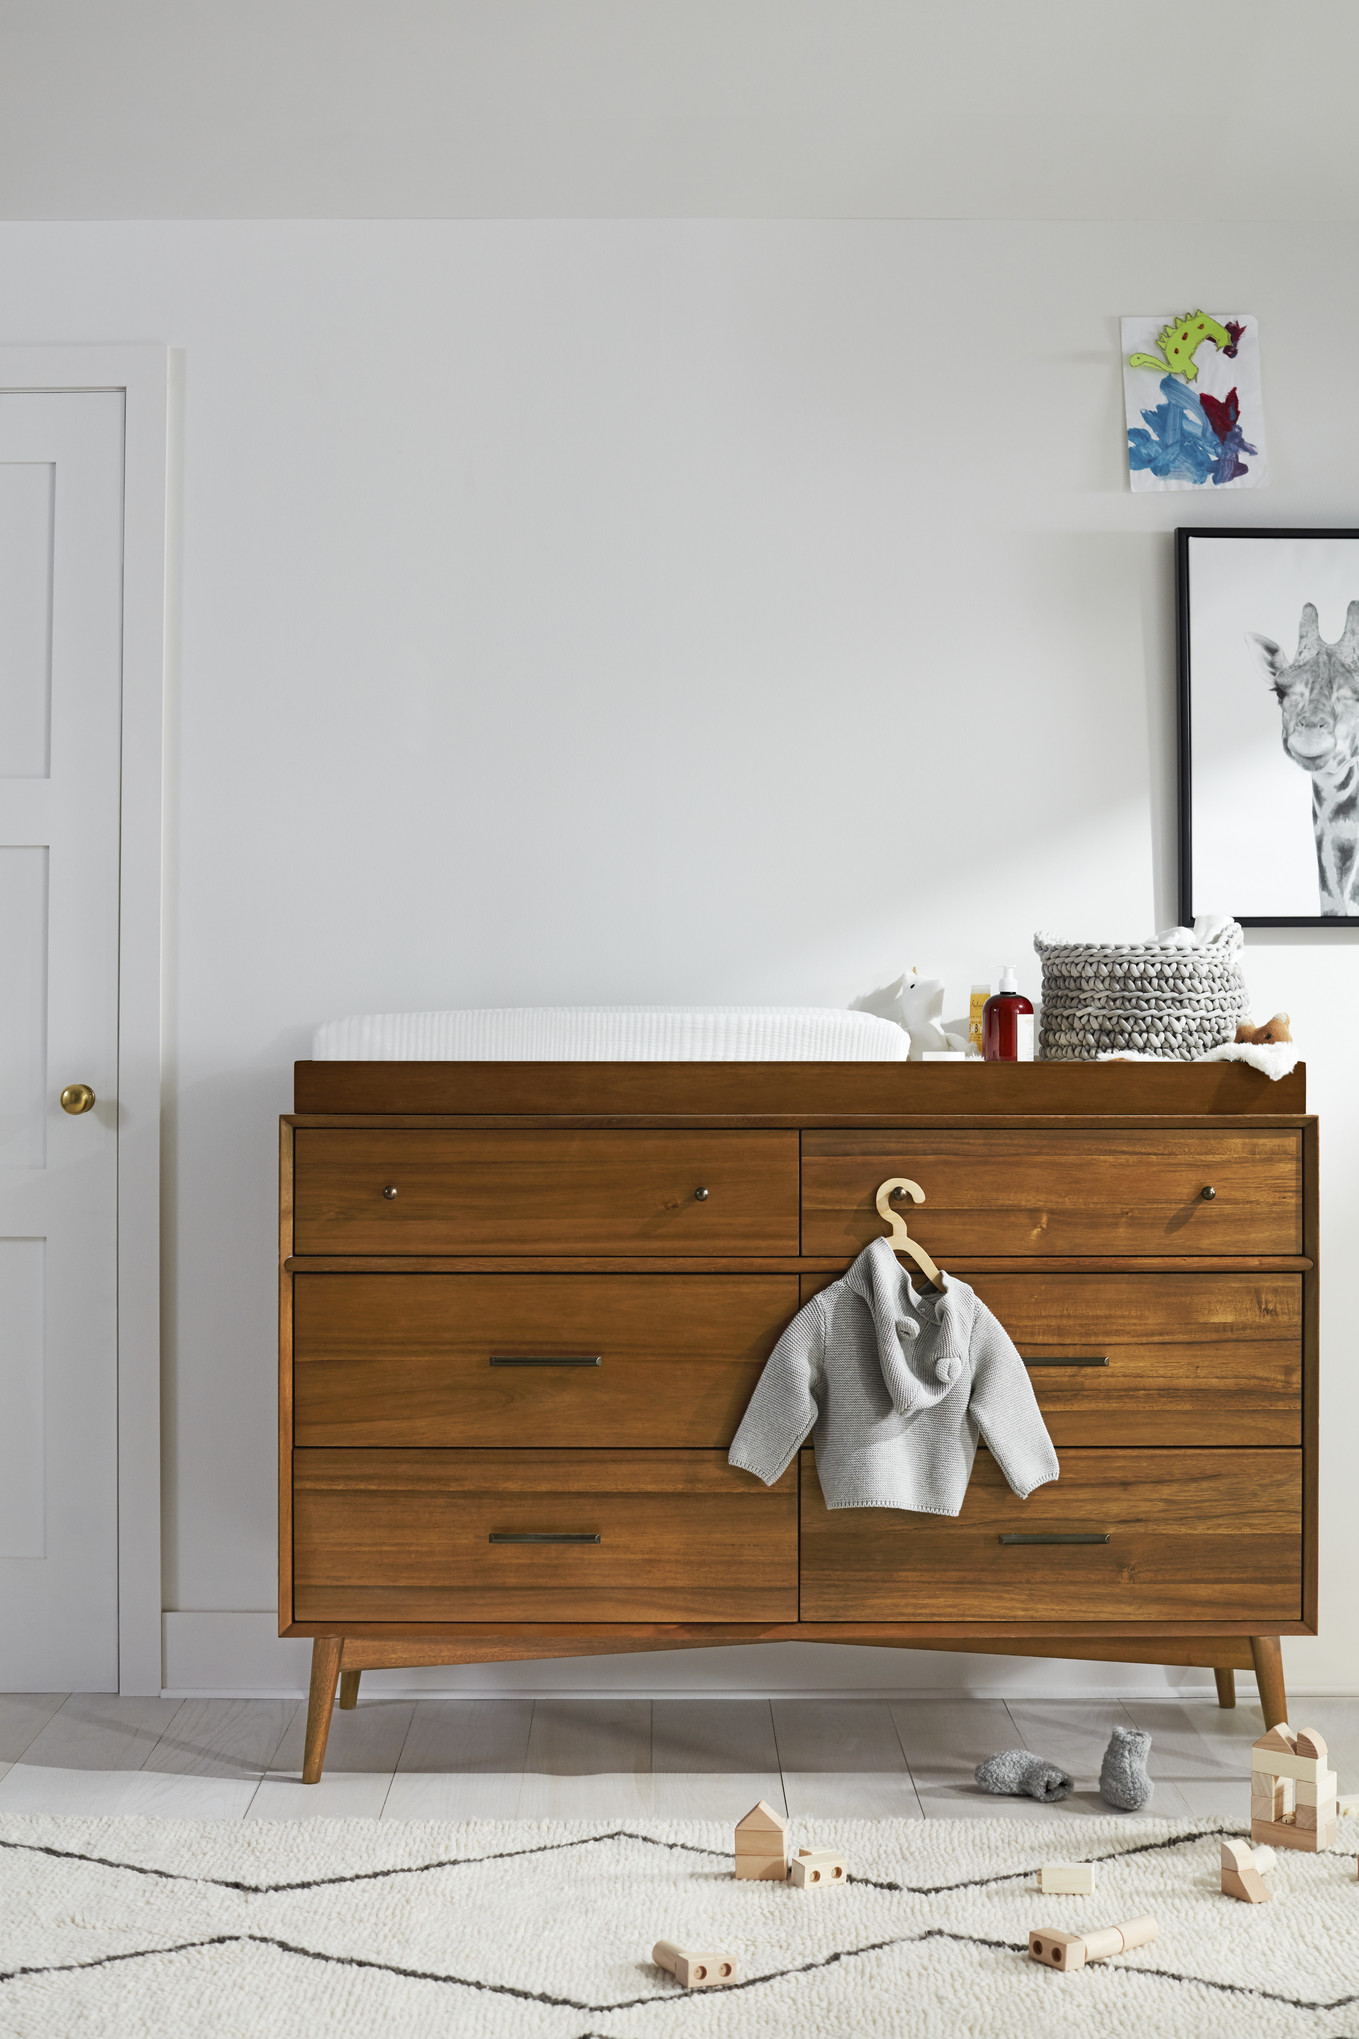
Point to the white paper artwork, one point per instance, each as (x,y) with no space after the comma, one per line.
(1191,394)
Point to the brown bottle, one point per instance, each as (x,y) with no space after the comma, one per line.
(1007,1022)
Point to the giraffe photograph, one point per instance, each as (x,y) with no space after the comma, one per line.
(1269,725)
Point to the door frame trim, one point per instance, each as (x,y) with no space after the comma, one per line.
(147,378)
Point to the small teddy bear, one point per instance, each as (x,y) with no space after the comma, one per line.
(1275,1029)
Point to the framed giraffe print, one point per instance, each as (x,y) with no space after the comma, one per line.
(1269,725)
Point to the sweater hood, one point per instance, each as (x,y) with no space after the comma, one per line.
(923,1344)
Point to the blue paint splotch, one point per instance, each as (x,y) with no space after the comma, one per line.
(1190,438)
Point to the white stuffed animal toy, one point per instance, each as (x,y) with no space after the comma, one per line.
(915,1003)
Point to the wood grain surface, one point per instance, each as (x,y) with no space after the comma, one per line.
(1193,1358)
(545,1192)
(1205,1535)
(404,1535)
(1094,1190)
(797,1090)
(396,1359)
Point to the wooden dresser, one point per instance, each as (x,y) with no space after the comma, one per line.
(523,1307)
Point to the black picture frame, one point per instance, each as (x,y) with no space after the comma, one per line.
(1184,535)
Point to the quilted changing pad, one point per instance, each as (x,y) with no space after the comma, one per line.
(615,1033)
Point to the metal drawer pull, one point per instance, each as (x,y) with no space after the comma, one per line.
(1066,1362)
(567,1536)
(545,1359)
(1085,1536)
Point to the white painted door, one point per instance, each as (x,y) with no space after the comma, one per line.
(61,573)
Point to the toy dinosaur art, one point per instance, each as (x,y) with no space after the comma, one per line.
(1181,341)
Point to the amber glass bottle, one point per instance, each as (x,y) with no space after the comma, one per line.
(1007,1022)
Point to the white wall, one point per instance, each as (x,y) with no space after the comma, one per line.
(336,109)
(662,611)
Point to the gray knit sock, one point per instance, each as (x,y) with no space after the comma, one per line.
(1123,1779)
(1019,1771)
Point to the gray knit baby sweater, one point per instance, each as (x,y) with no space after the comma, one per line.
(897,1387)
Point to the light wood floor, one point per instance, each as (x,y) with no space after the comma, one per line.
(616,1759)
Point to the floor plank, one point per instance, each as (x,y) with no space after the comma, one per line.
(587,1759)
(944,1740)
(842,1759)
(23,1715)
(361,1756)
(209,1762)
(462,1759)
(85,1761)
(713,1758)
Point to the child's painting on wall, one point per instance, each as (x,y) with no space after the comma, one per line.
(1191,392)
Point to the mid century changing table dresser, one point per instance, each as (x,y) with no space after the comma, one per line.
(523,1306)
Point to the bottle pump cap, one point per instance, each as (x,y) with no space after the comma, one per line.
(1009,978)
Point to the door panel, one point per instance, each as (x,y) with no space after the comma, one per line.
(61,570)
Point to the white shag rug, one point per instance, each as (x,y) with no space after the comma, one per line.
(510,1930)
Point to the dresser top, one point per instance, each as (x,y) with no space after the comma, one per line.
(798,1092)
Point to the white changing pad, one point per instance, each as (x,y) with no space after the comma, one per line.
(615,1033)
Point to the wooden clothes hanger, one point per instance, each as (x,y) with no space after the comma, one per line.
(901,1240)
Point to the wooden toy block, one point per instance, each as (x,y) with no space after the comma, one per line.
(1268,1798)
(1265,1859)
(1310,1744)
(1319,1790)
(817,1869)
(1283,1763)
(1282,1737)
(762,1819)
(761,1845)
(1312,1818)
(1287,1833)
(1349,1803)
(695,1971)
(1241,1877)
(1068,1879)
(1067,1952)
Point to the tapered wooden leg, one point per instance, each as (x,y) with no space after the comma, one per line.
(1226,1687)
(1270,1678)
(349,1688)
(325,1669)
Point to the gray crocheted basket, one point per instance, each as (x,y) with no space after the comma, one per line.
(1143,998)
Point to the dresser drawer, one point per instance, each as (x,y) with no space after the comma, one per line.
(545,1192)
(408,1536)
(1154,1358)
(644,1359)
(1015,1191)
(1192,1536)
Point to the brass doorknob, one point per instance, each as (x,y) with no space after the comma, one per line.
(77,1098)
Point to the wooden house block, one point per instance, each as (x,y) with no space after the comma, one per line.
(1310,1744)
(1315,1818)
(1072,1879)
(1281,1738)
(1268,1798)
(694,1970)
(762,1845)
(817,1869)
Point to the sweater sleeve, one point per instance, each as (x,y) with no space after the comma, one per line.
(784,1406)
(1006,1408)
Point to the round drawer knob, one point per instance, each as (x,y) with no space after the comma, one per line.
(390,1190)
(701,1195)
(1208,1193)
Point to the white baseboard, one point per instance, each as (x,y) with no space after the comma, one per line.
(242,1655)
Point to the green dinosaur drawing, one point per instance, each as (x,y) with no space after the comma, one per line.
(1180,342)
